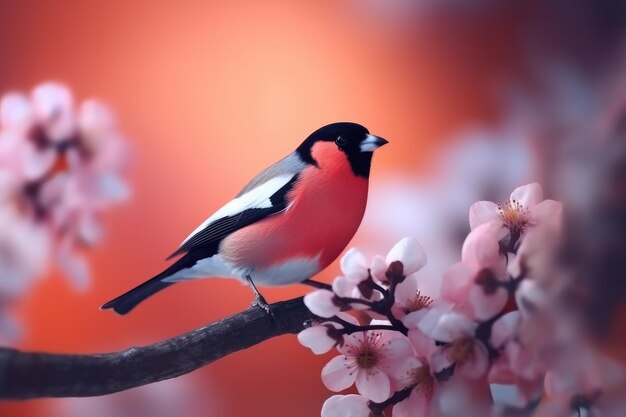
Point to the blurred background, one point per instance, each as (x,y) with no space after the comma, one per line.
(474,97)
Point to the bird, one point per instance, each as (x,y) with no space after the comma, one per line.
(286,225)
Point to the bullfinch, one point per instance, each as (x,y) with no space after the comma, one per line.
(289,223)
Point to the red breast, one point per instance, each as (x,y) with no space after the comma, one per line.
(327,206)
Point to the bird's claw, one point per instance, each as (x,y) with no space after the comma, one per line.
(259,301)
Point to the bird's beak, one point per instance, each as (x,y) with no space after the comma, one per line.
(371,143)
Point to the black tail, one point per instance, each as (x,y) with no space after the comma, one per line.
(127,301)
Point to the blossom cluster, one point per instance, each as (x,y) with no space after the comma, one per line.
(439,354)
(61,167)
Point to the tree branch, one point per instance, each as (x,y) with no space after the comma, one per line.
(33,375)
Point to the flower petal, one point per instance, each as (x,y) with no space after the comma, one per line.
(53,105)
(410,253)
(406,291)
(316,338)
(412,319)
(351,405)
(321,303)
(353,265)
(344,287)
(402,367)
(426,323)
(351,343)
(504,329)
(95,121)
(449,326)
(481,248)
(35,163)
(455,281)
(74,265)
(379,268)
(416,405)
(409,367)
(483,212)
(422,344)
(399,357)
(553,408)
(440,360)
(348,317)
(373,384)
(545,212)
(336,376)
(478,365)
(528,195)
(530,297)
(15,112)
(485,306)
(463,397)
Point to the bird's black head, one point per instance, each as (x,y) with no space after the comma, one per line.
(351,139)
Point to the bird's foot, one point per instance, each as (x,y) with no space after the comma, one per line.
(259,301)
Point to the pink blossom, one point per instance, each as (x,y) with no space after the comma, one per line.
(53,106)
(463,396)
(16,113)
(62,168)
(344,287)
(566,392)
(318,338)
(408,254)
(460,350)
(409,299)
(424,389)
(423,345)
(515,364)
(370,359)
(354,266)
(531,297)
(321,338)
(353,283)
(525,208)
(322,303)
(504,334)
(476,284)
(24,249)
(346,406)
(72,263)
(581,377)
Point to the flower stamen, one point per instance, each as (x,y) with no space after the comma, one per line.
(514,215)
(462,350)
(423,380)
(417,303)
(366,359)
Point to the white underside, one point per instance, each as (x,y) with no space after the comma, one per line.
(289,272)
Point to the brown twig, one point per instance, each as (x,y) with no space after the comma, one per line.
(34,375)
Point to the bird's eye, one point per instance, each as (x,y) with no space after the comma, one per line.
(341,141)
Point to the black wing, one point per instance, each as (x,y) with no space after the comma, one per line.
(220,228)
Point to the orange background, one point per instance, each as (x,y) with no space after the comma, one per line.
(209,93)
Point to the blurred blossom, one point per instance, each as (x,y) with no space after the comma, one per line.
(24,252)
(480,164)
(60,168)
(161,399)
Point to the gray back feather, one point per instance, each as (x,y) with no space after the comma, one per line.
(291,164)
